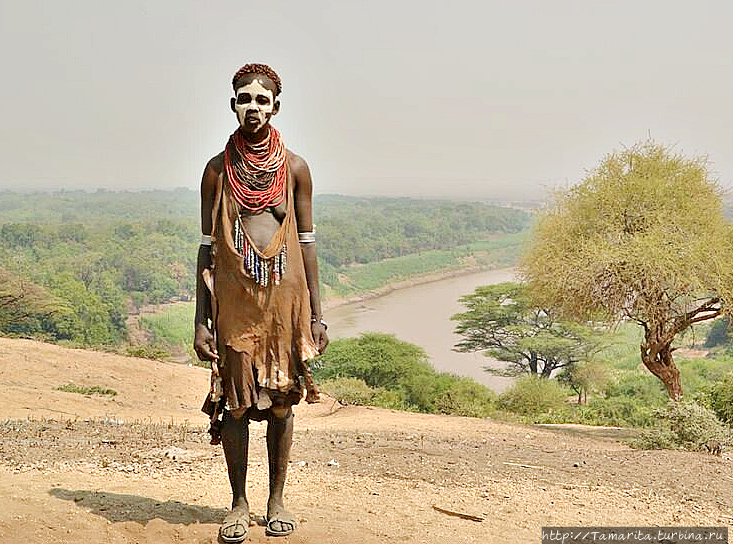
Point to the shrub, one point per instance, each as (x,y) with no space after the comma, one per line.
(637,384)
(466,397)
(157,351)
(618,411)
(721,398)
(349,390)
(531,395)
(380,360)
(86,389)
(380,370)
(719,334)
(699,373)
(392,400)
(682,424)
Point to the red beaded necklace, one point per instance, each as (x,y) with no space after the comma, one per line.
(257,172)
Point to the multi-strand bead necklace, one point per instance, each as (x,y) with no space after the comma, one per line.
(257,175)
(257,172)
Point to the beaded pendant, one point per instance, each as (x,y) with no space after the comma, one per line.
(261,270)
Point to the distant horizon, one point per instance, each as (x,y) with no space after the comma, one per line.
(93,190)
(530,94)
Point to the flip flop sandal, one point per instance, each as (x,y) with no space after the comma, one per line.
(238,521)
(282,518)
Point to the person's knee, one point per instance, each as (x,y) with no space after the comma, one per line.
(281,410)
(229,419)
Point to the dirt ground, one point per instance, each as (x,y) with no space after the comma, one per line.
(137,467)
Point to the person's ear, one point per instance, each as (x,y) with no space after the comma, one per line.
(232,102)
(276,107)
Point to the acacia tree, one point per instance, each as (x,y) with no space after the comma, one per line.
(642,238)
(25,308)
(504,322)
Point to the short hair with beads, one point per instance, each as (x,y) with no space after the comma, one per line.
(262,69)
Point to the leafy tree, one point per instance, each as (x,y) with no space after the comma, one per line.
(26,309)
(399,375)
(719,334)
(581,378)
(721,397)
(530,395)
(381,360)
(642,238)
(503,322)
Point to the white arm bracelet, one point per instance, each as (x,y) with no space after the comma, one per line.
(205,240)
(307,237)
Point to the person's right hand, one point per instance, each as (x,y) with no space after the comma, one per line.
(204,344)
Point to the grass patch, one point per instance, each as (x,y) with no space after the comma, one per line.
(86,390)
(173,325)
(498,252)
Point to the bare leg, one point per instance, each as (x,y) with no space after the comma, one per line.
(235,439)
(279,441)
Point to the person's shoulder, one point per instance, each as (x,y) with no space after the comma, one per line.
(215,164)
(211,174)
(297,164)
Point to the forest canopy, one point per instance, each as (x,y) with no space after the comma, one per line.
(95,256)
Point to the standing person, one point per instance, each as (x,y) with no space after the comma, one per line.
(258,312)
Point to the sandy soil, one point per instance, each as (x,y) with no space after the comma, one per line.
(137,467)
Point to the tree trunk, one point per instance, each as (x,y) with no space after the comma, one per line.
(657,357)
(533,363)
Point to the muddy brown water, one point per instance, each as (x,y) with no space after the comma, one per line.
(421,314)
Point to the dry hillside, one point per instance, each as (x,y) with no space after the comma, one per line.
(137,467)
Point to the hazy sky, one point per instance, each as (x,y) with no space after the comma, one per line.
(472,99)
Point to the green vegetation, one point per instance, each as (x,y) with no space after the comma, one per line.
(643,238)
(365,230)
(172,330)
(531,395)
(499,252)
(87,390)
(504,322)
(172,327)
(721,398)
(719,333)
(685,425)
(380,370)
(75,263)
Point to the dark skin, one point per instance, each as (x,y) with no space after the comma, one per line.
(261,227)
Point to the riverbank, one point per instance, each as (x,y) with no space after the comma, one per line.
(419,279)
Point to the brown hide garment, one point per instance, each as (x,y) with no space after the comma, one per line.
(263,333)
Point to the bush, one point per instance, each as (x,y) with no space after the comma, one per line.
(700,373)
(721,398)
(86,389)
(531,395)
(466,397)
(639,385)
(392,400)
(349,391)
(719,334)
(380,370)
(618,411)
(682,424)
(158,352)
(380,360)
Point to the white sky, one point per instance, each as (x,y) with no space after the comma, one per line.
(472,99)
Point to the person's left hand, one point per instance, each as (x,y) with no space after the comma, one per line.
(320,337)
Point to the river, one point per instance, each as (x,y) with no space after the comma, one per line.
(421,315)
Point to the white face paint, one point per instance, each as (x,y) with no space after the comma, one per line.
(253,105)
